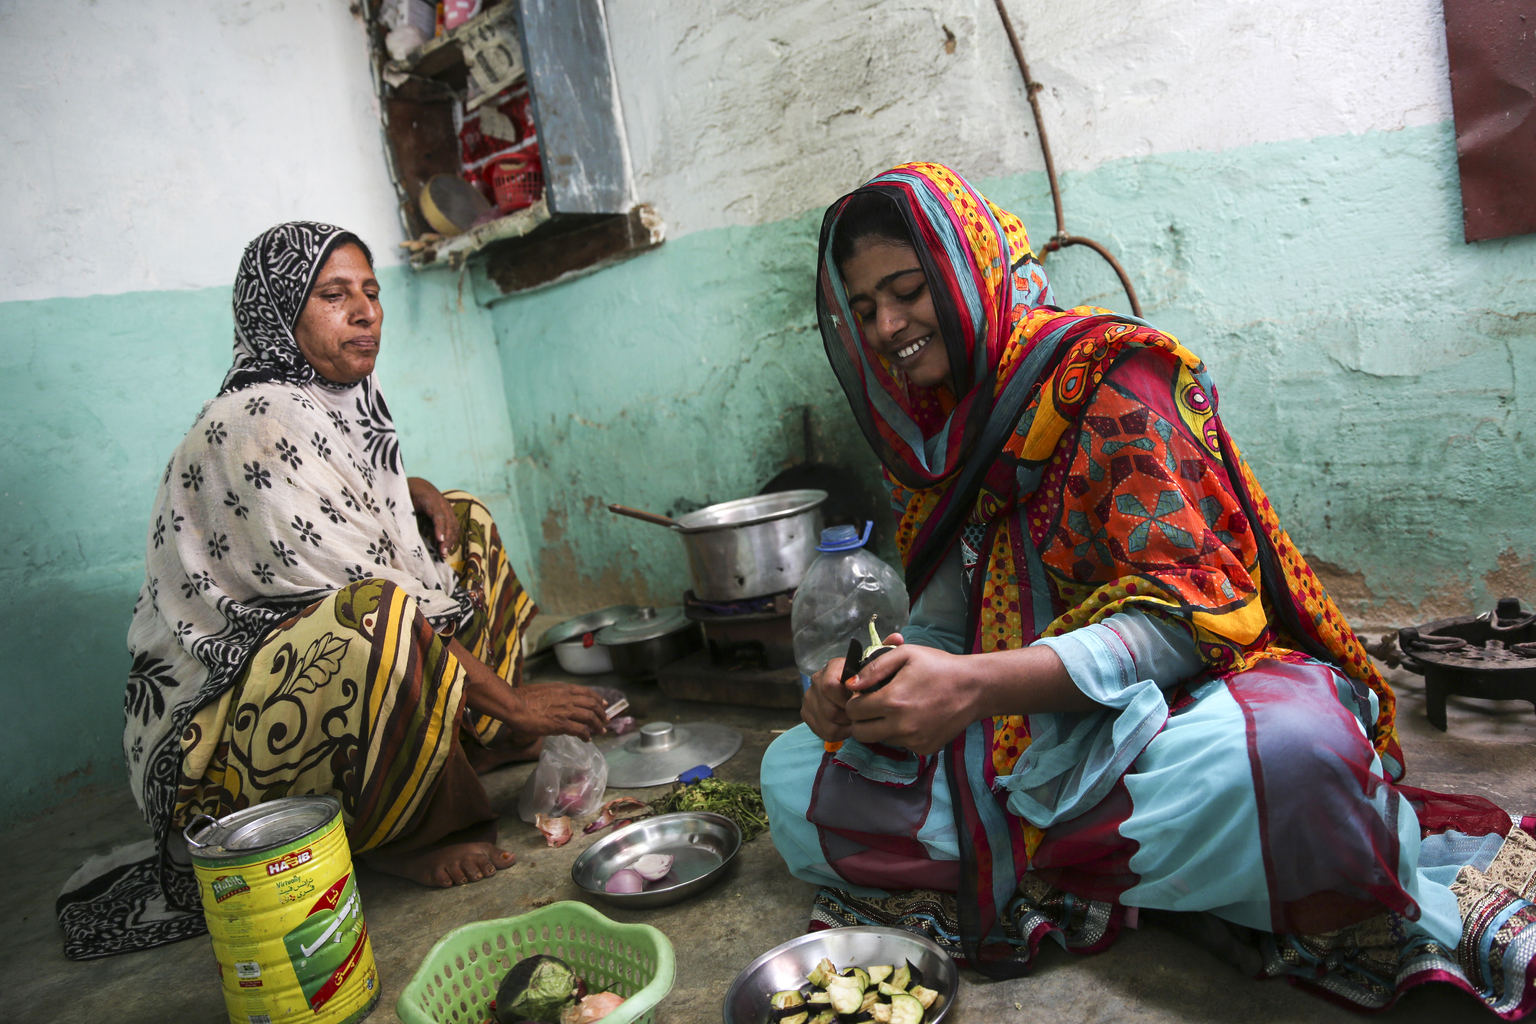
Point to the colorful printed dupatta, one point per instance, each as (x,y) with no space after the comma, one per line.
(1080,512)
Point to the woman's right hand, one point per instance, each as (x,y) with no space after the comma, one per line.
(559,709)
(540,709)
(822,706)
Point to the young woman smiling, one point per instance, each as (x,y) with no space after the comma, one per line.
(1121,687)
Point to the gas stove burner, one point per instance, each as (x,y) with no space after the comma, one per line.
(769,606)
(1491,656)
(753,633)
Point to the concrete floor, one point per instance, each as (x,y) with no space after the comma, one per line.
(1148,976)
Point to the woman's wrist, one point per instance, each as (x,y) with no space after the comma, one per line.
(1027,681)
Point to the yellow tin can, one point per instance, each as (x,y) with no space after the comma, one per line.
(281,902)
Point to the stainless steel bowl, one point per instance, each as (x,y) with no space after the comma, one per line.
(702,845)
(751,546)
(785,966)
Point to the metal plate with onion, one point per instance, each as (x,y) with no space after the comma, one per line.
(661,751)
(701,844)
(785,966)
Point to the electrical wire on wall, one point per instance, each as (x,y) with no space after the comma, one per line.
(1060,239)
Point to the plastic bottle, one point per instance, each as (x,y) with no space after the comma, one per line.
(841,590)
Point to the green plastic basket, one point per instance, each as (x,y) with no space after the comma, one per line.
(457,981)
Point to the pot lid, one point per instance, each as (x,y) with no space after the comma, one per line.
(661,751)
(591,622)
(760,508)
(645,624)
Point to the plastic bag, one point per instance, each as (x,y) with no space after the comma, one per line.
(570,779)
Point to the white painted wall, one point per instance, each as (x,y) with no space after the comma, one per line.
(143,144)
(742,112)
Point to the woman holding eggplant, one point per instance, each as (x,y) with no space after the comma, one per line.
(1122,688)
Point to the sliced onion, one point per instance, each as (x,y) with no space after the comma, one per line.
(653,866)
(624,880)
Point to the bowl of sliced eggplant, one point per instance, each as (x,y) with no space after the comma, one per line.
(846,975)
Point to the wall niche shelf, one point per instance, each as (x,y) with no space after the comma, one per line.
(538,70)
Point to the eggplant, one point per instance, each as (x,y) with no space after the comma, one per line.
(824,1017)
(926,996)
(819,996)
(879,974)
(906,1010)
(789,1008)
(858,973)
(900,979)
(880,1013)
(537,988)
(822,973)
(847,994)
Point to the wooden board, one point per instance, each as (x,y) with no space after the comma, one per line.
(570,245)
(420,133)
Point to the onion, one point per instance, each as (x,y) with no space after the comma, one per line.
(624,880)
(593,1008)
(653,866)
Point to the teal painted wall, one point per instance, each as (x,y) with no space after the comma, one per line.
(1377,371)
(98,392)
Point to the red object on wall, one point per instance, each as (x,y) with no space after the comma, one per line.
(477,150)
(517,179)
(1492,49)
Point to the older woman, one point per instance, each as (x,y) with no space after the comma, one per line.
(296,631)
(1121,688)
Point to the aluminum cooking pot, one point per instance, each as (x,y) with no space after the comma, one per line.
(752,546)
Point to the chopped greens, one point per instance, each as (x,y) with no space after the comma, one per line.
(738,801)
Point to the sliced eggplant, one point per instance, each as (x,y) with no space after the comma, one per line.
(906,1010)
(822,973)
(857,972)
(819,996)
(880,1013)
(901,978)
(926,996)
(824,1017)
(847,994)
(789,1008)
(880,973)
(888,990)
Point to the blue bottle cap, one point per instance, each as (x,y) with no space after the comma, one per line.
(844,538)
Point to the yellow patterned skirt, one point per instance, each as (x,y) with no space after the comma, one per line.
(359,698)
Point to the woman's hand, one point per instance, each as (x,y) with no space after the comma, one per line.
(928,698)
(542,709)
(559,709)
(821,707)
(429,501)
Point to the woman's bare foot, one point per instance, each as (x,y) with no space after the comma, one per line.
(443,865)
(484,759)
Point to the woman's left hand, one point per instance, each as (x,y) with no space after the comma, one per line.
(928,699)
(429,501)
